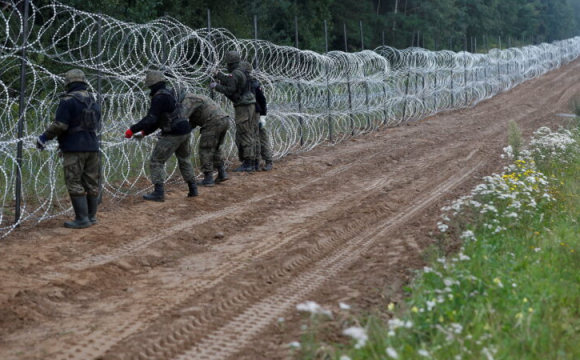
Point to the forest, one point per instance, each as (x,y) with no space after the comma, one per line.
(433,24)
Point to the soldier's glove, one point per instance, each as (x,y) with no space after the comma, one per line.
(128,134)
(41,142)
(139,136)
(212,84)
(262,122)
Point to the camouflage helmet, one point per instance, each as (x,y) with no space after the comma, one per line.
(73,76)
(232,57)
(154,77)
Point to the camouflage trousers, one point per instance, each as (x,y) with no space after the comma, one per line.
(166,146)
(81,173)
(211,139)
(246,132)
(263,142)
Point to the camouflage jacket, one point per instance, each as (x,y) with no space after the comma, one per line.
(201,110)
(235,87)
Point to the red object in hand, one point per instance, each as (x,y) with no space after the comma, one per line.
(128,134)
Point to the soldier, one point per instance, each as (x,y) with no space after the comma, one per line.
(174,139)
(236,87)
(214,123)
(263,144)
(77,121)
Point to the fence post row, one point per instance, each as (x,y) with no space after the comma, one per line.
(256,60)
(348,85)
(365,84)
(100,100)
(299,86)
(21,113)
(211,92)
(328,102)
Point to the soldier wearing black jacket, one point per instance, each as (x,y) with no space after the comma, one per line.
(174,139)
(76,123)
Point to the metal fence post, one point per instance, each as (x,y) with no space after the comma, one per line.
(366,85)
(299,86)
(211,91)
(100,100)
(21,114)
(328,101)
(348,84)
(256,60)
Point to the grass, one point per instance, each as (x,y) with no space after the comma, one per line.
(511,287)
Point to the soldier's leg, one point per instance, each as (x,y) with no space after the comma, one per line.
(258,151)
(183,154)
(165,147)
(218,154)
(245,135)
(267,152)
(73,166)
(90,181)
(207,144)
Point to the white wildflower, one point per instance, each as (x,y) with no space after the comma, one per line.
(344,306)
(357,333)
(424,353)
(294,344)
(313,308)
(344,357)
(392,353)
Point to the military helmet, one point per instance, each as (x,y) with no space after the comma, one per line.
(73,76)
(232,57)
(154,77)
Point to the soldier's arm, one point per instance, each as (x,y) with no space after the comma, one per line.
(150,123)
(261,100)
(229,86)
(60,124)
(221,77)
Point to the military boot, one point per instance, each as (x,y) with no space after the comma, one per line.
(192,189)
(256,165)
(269,166)
(247,165)
(93,203)
(208,179)
(222,175)
(81,209)
(157,195)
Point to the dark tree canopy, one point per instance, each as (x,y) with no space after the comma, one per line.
(436,24)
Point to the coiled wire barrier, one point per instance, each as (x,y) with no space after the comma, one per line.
(313,97)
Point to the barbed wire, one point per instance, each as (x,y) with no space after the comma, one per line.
(313,98)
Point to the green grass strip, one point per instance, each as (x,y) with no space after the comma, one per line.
(512,291)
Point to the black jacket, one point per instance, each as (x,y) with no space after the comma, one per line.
(68,112)
(160,103)
(261,104)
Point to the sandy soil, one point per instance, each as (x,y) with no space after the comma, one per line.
(209,277)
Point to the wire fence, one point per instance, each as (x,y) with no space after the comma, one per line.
(313,98)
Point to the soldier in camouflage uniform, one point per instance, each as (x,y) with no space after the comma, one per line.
(262,135)
(236,87)
(76,123)
(175,136)
(214,123)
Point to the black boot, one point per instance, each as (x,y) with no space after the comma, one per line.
(208,179)
(80,207)
(222,175)
(93,203)
(192,189)
(268,166)
(256,165)
(157,195)
(247,165)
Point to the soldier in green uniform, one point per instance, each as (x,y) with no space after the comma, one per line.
(174,139)
(214,123)
(236,87)
(263,142)
(77,120)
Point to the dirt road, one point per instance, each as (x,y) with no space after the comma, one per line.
(210,277)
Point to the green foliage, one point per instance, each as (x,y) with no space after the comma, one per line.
(515,138)
(433,23)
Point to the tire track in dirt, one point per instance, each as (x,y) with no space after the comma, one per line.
(227,340)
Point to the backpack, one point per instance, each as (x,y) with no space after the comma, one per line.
(88,120)
(169,120)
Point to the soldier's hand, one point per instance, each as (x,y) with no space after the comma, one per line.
(41,142)
(128,134)
(212,84)
(139,136)
(262,122)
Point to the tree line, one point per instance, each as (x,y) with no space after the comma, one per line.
(434,24)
